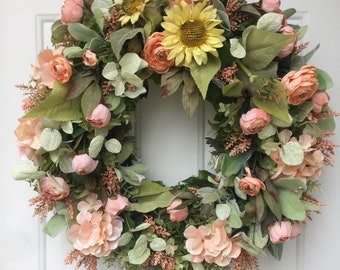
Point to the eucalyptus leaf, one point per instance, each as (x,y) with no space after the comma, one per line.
(292,154)
(158,244)
(113,146)
(271,22)
(236,48)
(325,81)
(125,238)
(209,195)
(96,145)
(50,139)
(223,211)
(55,225)
(81,32)
(140,227)
(290,183)
(90,99)
(149,203)
(231,165)
(148,188)
(26,170)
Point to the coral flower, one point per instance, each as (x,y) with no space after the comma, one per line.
(190,33)
(250,185)
(177,214)
(254,121)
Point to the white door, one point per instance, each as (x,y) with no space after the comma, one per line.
(24,30)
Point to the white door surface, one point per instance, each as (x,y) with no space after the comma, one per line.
(24,31)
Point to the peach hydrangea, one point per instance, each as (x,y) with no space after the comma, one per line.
(313,160)
(96,232)
(211,243)
(115,206)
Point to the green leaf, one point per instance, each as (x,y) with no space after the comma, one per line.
(55,106)
(236,48)
(290,183)
(203,74)
(140,252)
(95,146)
(271,197)
(260,207)
(259,240)
(231,165)
(276,250)
(140,227)
(146,204)
(124,239)
(119,37)
(291,205)
(59,32)
(90,99)
(209,195)
(271,22)
(78,84)
(262,46)
(292,153)
(158,244)
(190,97)
(233,89)
(81,32)
(55,225)
(325,81)
(26,170)
(113,146)
(327,124)
(223,211)
(277,107)
(148,188)
(234,219)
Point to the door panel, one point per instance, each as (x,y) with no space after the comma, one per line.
(163,131)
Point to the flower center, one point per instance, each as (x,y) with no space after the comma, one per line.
(193,33)
(131,7)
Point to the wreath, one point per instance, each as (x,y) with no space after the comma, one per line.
(270,143)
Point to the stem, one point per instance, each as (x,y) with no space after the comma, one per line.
(244,68)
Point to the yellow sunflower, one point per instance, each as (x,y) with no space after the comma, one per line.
(131,10)
(189,32)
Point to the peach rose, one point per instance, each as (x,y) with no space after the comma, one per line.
(177,214)
(60,68)
(300,85)
(211,243)
(319,100)
(155,54)
(250,185)
(280,232)
(287,30)
(270,5)
(89,58)
(83,164)
(99,117)
(54,187)
(72,11)
(254,121)
(115,206)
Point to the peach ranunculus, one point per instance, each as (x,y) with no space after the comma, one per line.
(155,54)
(60,68)
(99,117)
(300,85)
(53,187)
(211,243)
(52,65)
(254,121)
(320,99)
(89,58)
(28,134)
(115,206)
(83,164)
(313,160)
(72,11)
(287,30)
(250,185)
(282,231)
(177,214)
(270,5)
(95,232)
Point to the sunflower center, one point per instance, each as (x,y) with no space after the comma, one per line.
(131,7)
(192,33)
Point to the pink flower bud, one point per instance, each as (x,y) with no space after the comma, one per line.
(83,164)
(254,121)
(319,100)
(281,232)
(72,11)
(89,58)
(270,5)
(177,214)
(115,206)
(53,187)
(288,30)
(99,117)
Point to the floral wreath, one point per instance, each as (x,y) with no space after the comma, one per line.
(272,126)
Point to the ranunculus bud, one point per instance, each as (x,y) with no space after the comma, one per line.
(270,5)
(155,54)
(53,187)
(99,117)
(83,164)
(250,185)
(319,100)
(72,11)
(301,85)
(89,58)
(177,214)
(115,206)
(254,121)
(282,231)
(287,30)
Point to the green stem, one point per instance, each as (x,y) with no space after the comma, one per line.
(244,68)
